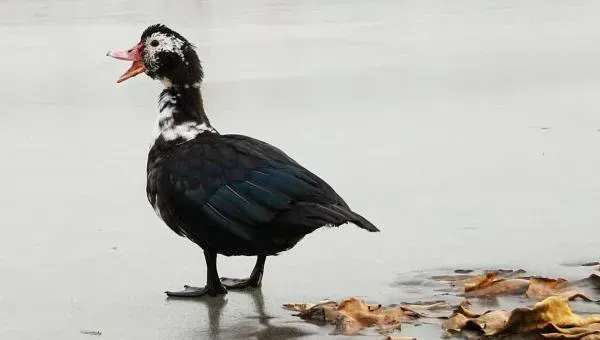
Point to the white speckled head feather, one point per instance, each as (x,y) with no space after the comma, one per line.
(161,42)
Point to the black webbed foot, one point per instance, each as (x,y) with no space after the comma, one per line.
(214,286)
(254,281)
(230,283)
(190,292)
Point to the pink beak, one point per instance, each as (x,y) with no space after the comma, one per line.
(134,54)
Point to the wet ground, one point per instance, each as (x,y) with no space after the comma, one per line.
(467,131)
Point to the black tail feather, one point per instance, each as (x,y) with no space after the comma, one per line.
(344,214)
(311,216)
(364,223)
(355,218)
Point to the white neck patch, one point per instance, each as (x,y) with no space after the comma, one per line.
(166,127)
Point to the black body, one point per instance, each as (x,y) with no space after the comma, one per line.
(236,195)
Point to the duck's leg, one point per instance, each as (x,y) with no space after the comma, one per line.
(213,286)
(255,279)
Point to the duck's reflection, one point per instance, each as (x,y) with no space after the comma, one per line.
(271,331)
(243,328)
(215,309)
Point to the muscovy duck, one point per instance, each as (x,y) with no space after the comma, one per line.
(229,194)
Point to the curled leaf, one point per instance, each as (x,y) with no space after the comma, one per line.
(590,332)
(553,312)
(298,307)
(481,282)
(541,288)
(505,283)
(434,309)
(352,315)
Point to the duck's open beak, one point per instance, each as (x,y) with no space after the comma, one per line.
(134,54)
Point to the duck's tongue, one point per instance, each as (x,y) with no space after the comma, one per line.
(134,54)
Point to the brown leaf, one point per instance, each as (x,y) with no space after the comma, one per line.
(488,322)
(552,312)
(456,323)
(352,315)
(461,278)
(541,288)
(589,332)
(484,323)
(492,283)
(594,336)
(324,311)
(496,287)
(503,283)
(466,312)
(298,307)
(455,280)
(434,309)
(370,315)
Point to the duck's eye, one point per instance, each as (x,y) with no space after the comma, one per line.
(154,43)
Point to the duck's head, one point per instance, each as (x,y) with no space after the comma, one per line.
(162,54)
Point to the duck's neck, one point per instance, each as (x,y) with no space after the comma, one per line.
(181,116)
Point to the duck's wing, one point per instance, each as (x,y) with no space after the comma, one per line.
(242,184)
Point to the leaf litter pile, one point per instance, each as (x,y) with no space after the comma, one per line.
(546,313)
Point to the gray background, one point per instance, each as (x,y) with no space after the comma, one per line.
(466,130)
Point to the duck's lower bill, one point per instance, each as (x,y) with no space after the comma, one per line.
(134,54)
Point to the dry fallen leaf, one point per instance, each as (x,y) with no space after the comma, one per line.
(500,287)
(435,309)
(352,315)
(591,332)
(499,282)
(553,312)
(480,282)
(496,283)
(298,307)
(541,288)
(491,284)
(485,322)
